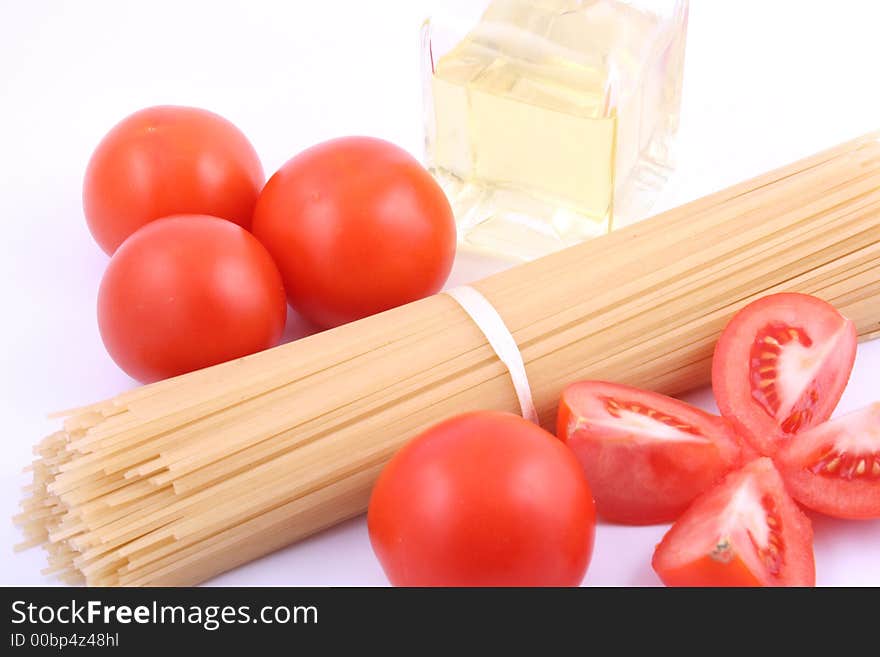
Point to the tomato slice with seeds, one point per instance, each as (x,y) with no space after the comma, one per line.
(780,367)
(746,531)
(834,468)
(646,455)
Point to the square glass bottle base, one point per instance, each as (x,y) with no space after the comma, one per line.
(514,225)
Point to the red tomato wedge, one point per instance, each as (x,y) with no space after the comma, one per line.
(834,468)
(780,367)
(746,531)
(646,455)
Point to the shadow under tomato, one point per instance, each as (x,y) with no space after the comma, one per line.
(828,530)
(297,327)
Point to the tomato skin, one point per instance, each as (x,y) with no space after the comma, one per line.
(483,499)
(734,364)
(708,572)
(822,467)
(186,292)
(634,479)
(357,226)
(168,160)
(726,536)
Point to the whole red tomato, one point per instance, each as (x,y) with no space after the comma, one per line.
(356,226)
(169,160)
(483,499)
(187,292)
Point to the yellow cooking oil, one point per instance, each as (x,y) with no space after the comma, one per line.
(549,122)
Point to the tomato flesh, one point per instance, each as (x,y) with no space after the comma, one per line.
(834,468)
(483,499)
(780,367)
(746,531)
(646,455)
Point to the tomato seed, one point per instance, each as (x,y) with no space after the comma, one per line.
(614,407)
(846,466)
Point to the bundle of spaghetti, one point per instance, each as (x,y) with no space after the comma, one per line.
(175,482)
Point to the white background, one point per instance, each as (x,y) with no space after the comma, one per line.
(766,82)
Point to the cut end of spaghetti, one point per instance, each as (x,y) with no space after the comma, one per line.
(65,508)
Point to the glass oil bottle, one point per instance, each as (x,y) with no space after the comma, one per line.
(549,122)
